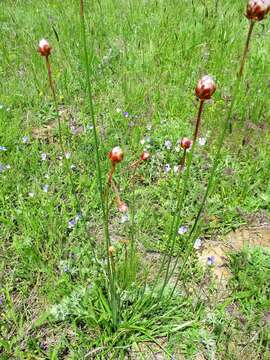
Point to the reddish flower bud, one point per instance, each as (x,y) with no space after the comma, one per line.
(112,250)
(185,143)
(116,155)
(123,207)
(257,9)
(205,88)
(44,48)
(145,156)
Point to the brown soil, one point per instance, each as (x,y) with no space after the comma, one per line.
(257,233)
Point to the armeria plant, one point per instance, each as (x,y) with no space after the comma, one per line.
(256,11)
(45,50)
(205,89)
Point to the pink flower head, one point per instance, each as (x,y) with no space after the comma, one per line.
(116,155)
(257,9)
(145,156)
(123,207)
(205,88)
(185,143)
(44,48)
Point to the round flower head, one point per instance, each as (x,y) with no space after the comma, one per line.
(257,9)
(123,207)
(185,143)
(116,155)
(205,88)
(44,48)
(145,156)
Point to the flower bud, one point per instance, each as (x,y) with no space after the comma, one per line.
(44,48)
(205,88)
(111,250)
(116,155)
(185,143)
(145,156)
(257,9)
(123,207)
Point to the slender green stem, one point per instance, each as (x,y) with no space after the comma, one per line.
(66,162)
(244,58)
(198,122)
(208,189)
(183,161)
(132,226)
(176,221)
(111,269)
(90,99)
(180,203)
(98,166)
(246,48)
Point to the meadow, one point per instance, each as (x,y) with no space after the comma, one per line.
(81,275)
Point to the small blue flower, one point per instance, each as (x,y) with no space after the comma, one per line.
(210,260)
(148,139)
(124,219)
(182,230)
(197,244)
(73,222)
(43,157)
(202,141)
(25,140)
(168,144)
(89,127)
(45,188)
(126,114)
(3,148)
(167,168)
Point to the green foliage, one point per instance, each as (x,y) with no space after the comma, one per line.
(146,58)
(251,279)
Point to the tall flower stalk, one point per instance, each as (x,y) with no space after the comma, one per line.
(104,204)
(190,240)
(204,91)
(45,50)
(246,48)
(256,10)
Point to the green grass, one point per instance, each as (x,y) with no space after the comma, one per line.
(146,58)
